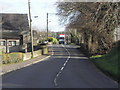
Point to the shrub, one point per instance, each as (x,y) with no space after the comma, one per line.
(12,58)
(53,40)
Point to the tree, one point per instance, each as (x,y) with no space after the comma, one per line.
(94,21)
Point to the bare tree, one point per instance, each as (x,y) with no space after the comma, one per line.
(96,22)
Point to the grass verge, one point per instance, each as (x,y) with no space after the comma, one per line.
(109,63)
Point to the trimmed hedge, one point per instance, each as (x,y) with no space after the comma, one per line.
(17,56)
(12,58)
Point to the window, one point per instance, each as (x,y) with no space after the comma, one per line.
(13,43)
(10,43)
(61,37)
(2,43)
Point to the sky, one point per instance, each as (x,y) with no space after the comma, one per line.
(39,8)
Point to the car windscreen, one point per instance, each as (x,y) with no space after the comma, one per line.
(61,37)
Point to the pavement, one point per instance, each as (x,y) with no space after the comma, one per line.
(15,66)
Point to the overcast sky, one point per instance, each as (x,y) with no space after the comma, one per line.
(38,8)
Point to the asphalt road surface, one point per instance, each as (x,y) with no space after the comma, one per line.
(66,68)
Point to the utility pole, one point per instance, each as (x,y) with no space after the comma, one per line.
(47,26)
(31,33)
(7,47)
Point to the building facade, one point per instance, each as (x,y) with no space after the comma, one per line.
(15,32)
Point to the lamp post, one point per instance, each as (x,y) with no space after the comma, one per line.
(31,32)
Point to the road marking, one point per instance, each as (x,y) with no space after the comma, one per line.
(62,68)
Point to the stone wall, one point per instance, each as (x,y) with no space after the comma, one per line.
(17,56)
(26,56)
(37,53)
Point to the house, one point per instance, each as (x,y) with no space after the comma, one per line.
(14,32)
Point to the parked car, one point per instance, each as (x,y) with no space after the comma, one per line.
(45,42)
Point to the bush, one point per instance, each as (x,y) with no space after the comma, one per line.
(41,41)
(50,39)
(12,58)
(53,40)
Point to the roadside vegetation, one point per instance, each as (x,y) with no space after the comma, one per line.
(53,40)
(109,63)
(16,57)
(1,51)
(94,26)
(12,58)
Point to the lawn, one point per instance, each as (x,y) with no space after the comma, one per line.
(108,63)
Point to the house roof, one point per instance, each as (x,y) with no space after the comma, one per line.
(13,25)
(10,35)
(15,21)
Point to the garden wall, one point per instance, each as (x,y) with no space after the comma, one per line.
(17,56)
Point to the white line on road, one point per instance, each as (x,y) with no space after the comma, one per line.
(62,68)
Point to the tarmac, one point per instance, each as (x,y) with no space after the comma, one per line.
(15,66)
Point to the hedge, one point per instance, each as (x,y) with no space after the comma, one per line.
(12,58)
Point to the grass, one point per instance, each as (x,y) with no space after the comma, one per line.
(108,63)
(72,44)
(1,51)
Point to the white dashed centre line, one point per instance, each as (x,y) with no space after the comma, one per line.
(62,68)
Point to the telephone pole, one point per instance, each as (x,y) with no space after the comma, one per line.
(47,26)
(31,33)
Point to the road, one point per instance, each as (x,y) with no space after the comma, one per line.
(66,68)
